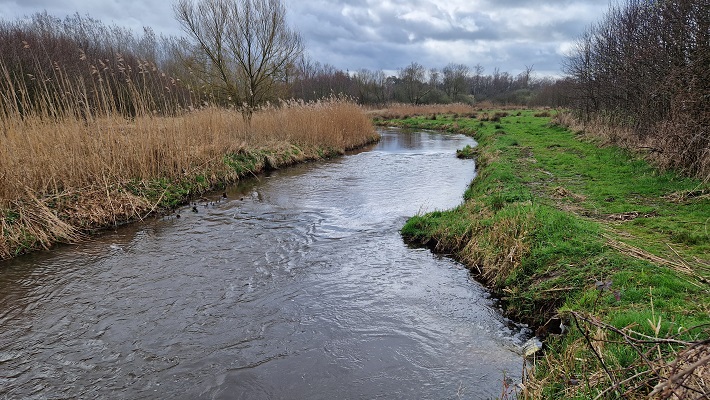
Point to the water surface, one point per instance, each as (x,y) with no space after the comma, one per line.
(297,286)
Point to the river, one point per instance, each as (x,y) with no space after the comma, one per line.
(296,286)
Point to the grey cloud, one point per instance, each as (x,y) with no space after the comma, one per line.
(388,34)
(504,33)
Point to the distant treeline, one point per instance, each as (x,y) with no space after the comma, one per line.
(646,68)
(415,84)
(80,65)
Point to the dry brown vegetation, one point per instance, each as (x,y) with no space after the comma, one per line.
(94,131)
(665,368)
(47,156)
(61,176)
(481,110)
(402,110)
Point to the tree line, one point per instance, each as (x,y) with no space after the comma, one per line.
(416,84)
(646,67)
(236,53)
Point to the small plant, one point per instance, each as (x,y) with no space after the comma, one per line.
(509,390)
(466,152)
(497,201)
(498,115)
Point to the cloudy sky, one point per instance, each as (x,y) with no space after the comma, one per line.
(389,34)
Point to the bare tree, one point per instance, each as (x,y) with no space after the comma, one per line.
(413,79)
(434,78)
(246,46)
(370,86)
(475,82)
(525,76)
(455,78)
(645,67)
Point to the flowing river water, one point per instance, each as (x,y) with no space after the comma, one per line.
(296,286)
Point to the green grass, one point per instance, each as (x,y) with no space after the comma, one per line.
(548,224)
(466,152)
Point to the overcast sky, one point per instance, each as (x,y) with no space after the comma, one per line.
(389,34)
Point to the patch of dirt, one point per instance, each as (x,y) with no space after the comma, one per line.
(561,192)
(629,216)
(571,208)
(526,152)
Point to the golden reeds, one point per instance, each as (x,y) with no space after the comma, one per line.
(79,144)
(400,111)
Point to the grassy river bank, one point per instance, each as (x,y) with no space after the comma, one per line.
(591,240)
(61,179)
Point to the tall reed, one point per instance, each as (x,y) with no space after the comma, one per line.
(68,139)
(400,110)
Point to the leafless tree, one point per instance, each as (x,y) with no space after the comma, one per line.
(455,80)
(645,67)
(314,81)
(434,78)
(370,86)
(244,46)
(413,78)
(525,77)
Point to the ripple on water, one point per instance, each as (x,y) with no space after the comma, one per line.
(296,286)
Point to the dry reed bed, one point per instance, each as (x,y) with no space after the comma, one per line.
(84,165)
(402,111)
(48,157)
(482,111)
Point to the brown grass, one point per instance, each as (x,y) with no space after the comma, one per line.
(60,177)
(82,150)
(493,116)
(44,156)
(401,111)
(502,250)
(484,111)
(489,105)
(668,367)
(495,254)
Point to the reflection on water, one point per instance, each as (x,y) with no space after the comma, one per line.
(297,286)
